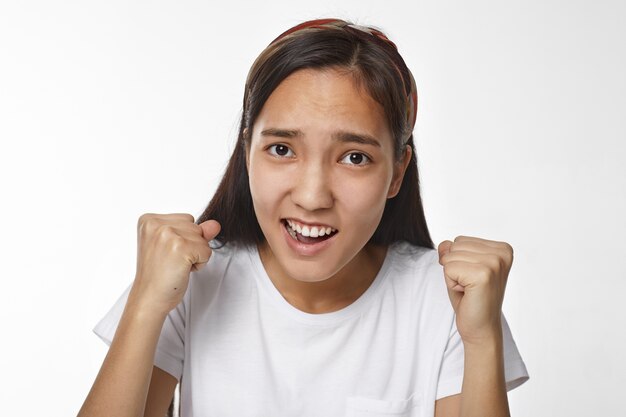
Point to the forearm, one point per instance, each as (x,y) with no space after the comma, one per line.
(484,387)
(121,387)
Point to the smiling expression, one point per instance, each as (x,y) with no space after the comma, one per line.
(321,155)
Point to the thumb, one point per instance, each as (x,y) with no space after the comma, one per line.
(210,229)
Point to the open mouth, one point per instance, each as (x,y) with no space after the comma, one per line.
(306,239)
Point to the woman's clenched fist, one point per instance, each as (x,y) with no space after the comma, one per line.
(169,247)
(476,272)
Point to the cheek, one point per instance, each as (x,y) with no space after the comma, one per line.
(364,199)
(266,187)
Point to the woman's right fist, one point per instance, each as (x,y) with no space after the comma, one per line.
(169,247)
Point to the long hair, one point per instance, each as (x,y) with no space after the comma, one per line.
(375,65)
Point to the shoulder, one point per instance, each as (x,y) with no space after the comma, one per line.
(418,264)
(412,255)
(416,269)
(232,259)
(225,257)
(224,278)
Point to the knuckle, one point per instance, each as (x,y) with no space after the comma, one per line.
(142,219)
(164,231)
(177,243)
(484,275)
(146,223)
(502,264)
(508,254)
(506,246)
(496,262)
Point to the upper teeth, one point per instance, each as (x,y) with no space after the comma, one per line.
(310,231)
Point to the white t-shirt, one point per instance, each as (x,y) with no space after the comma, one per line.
(240,349)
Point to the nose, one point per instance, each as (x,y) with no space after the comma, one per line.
(312,187)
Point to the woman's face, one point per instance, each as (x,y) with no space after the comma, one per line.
(321,154)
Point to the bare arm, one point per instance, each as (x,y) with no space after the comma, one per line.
(169,246)
(484,387)
(122,385)
(160,394)
(476,271)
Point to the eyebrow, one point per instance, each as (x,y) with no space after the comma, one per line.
(339,136)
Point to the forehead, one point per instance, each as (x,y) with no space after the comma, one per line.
(323,101)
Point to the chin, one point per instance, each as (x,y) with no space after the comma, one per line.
(308,272)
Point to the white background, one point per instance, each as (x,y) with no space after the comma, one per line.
(112,109)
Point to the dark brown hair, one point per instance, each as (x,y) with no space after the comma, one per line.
(374,65)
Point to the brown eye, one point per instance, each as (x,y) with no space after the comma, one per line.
(357,158)
(280,150)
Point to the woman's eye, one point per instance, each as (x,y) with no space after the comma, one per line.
(357,158)
(281,150)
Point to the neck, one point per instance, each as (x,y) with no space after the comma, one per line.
(331,294)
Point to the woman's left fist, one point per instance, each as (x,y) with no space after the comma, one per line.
(476,271)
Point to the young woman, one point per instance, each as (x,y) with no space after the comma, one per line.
(310,285)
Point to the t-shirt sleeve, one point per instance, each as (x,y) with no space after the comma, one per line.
(170,350)
(451,371)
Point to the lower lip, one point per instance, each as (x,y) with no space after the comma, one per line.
(306,249)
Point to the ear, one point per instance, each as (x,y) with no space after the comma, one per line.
(399,168)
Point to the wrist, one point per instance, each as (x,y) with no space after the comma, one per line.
(143,309)
(484,381)
(484,361)
(489,340)
(485,351)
